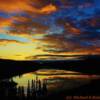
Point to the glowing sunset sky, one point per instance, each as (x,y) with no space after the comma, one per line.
(49,29)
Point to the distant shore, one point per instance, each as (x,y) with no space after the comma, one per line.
(89,65)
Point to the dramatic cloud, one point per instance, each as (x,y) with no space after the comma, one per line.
(49,27)
(35,6)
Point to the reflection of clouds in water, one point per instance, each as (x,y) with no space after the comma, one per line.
(54,72)
(70,76)
(57,80)
(51,73)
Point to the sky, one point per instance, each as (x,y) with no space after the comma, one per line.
(49,29)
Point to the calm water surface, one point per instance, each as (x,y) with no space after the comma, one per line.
(55,80)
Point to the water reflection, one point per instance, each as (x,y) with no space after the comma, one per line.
(44,82)
(56,79)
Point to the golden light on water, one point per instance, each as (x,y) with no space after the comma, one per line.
(53,75)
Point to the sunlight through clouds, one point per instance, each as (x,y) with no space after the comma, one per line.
(38,29)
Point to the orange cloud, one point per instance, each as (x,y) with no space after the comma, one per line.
(48,9)
(5,22)
(6,42)
(26,5)
(26,26)
(14,5)
(72,29)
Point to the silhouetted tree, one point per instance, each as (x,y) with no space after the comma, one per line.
(44,87)
(8,89)
(22,93)
(28,90)
(19,93)
(33,92)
